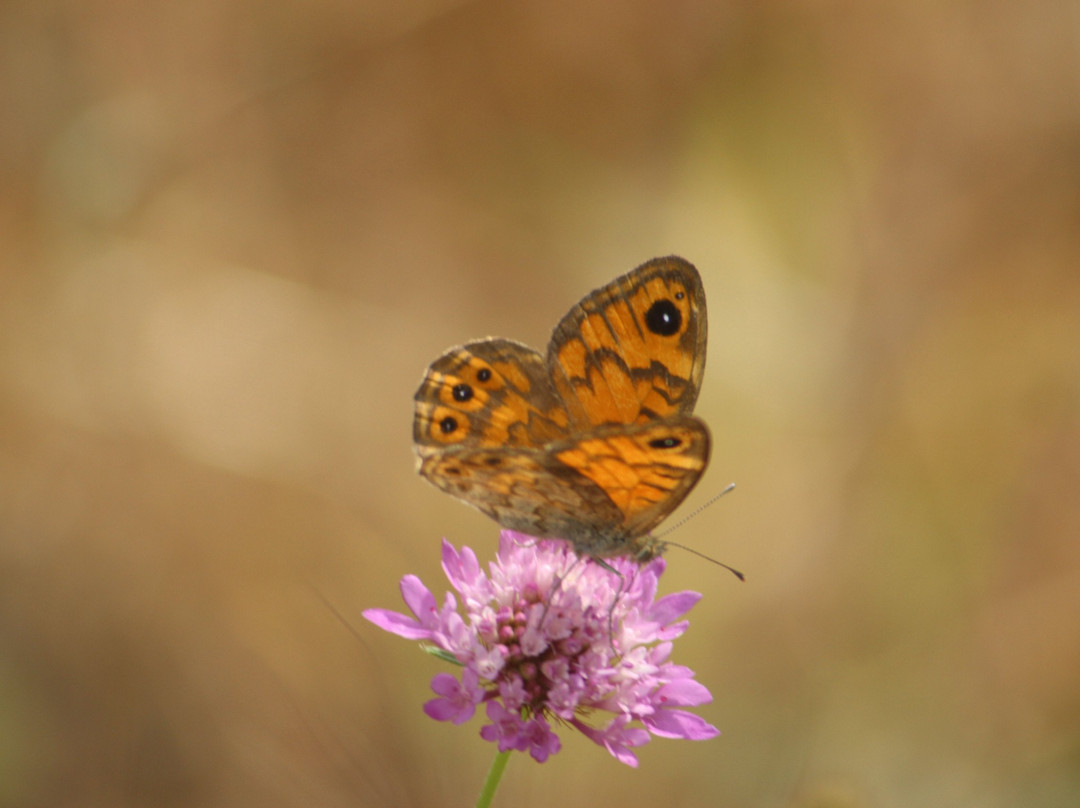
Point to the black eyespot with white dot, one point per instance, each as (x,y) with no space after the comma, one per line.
(664,318)
(462,392)
(483,375)
(448,424)
(665,443)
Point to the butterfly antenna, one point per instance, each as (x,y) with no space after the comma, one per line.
(700,554)
(694,513)
(691,550)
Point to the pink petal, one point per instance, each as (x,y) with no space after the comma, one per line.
(541,740)
(683,693)
(659,653)
(458,702)
(445,684)
(487,662)
(419,599)
(507,728)
(462,569)
(511,539)
(399,624)
(644,588)
(623,755)
(673,672)
(671,607)
(617,738)
(670,632)
(447,710)
(679,724)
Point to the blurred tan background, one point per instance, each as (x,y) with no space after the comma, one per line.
(235,233)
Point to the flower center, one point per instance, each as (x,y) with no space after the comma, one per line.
(542,644)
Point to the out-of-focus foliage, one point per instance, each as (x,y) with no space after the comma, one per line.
(234,234)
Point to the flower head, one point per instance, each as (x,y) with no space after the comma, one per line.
(547,638)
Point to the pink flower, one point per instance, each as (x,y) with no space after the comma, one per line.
(545,635)
(458,699)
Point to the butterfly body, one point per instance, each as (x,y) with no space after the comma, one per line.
(593,442)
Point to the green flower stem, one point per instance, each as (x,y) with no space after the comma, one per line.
(495,773)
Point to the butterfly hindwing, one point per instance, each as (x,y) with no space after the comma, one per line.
(493,392)
(600,490)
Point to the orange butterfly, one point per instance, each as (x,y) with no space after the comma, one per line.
(594,443)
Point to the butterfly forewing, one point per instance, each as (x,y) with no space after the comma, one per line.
(634,350)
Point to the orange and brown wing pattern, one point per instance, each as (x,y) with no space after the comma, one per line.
(602,491)
(646,470)
(522,489)
(593,443)
(492,392)
(633,351)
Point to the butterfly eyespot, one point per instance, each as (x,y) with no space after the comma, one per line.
(483,375)
(663,318)
(462,392)
(665,443)
(448,425)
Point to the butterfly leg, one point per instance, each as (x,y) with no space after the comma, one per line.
(614,602)
(555,587)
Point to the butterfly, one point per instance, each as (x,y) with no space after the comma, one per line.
(593,442)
